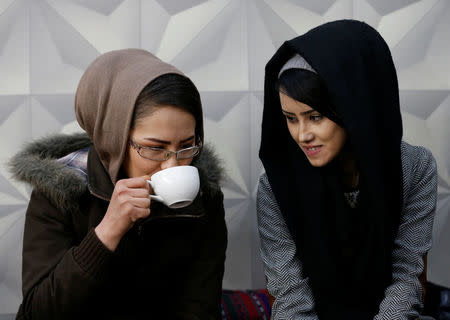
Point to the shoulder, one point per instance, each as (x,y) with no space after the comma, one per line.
(417,163)
(263,180)
(416,157)
(54,167)
(211,172)
(266,204)
(264,188)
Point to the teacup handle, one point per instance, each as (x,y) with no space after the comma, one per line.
(154,197)
(157,198)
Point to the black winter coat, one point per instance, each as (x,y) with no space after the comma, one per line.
(169,266)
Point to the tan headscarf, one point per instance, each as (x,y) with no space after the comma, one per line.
(106,97)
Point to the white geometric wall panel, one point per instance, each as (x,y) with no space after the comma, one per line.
(223,45)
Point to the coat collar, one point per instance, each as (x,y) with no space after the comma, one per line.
(98,180)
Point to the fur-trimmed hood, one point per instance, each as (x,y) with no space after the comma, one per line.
(40,163)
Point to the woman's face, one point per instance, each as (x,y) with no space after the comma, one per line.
(169,128)
(319,138)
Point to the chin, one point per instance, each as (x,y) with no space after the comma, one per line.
(317,165)
(318,162)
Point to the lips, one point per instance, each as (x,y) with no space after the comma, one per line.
(312,150)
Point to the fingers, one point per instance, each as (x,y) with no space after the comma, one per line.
(138,182)
(136,193)
(139,213)
(140,202)
(149,187)
(135,187)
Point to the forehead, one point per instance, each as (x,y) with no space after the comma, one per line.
(166,121)
(291,105)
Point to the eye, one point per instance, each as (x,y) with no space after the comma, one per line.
(155,147)
(290,119)
(315,117)
(188,145)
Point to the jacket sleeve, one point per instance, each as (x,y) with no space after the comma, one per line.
(283,269)
(58,275)
(201,298)
(403,297)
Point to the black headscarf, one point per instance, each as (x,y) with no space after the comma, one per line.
(345,253)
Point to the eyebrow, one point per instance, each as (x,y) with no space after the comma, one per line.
(302,113)
(168,142)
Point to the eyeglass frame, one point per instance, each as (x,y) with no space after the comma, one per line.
(167,153)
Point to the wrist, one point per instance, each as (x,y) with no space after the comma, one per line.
(107,237)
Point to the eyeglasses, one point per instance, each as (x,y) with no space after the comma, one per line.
(159,154)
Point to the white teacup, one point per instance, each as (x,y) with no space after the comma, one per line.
(176,187)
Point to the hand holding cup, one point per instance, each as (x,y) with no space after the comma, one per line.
(129,202)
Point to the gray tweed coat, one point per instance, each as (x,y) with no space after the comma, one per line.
(287,281)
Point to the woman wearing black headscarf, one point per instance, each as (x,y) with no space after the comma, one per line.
(345,208)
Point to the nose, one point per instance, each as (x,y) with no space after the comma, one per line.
(304,133)
(171,162)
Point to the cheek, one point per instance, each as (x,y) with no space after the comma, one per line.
(136,166)
(338,139)
(147,167)
(292,130)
